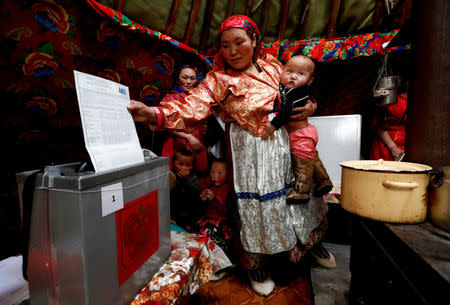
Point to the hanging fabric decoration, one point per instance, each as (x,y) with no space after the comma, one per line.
(322,50)
(342,48)
(125,22)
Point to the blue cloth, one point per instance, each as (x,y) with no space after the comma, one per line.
(176,228)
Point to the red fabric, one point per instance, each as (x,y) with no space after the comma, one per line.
(137,227)
(172,144)
(160,119)
(395,124)
(241,22)
(217,207)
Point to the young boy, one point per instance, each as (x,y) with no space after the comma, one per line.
(295,91)
(185,203)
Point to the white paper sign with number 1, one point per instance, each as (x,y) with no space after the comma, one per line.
(112,198)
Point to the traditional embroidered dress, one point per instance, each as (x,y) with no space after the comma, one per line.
(172,144)
(261,169)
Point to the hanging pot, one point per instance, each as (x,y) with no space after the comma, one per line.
(388,191)
(385,88)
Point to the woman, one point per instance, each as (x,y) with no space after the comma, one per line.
(245,89)
(390,126)
(186,80)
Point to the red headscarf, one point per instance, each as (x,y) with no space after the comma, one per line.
(241,22)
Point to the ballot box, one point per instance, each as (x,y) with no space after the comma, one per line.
(97,238)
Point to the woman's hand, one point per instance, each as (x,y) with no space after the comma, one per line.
(302,113)
(387,140)
(141,112)
(195,143)
(268,131)
(395,151)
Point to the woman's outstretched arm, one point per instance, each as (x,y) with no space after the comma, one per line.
(142,113)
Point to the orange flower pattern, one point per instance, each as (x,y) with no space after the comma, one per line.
(52,15)
(189,266)
(39,64)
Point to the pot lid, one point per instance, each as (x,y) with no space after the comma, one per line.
(386,166)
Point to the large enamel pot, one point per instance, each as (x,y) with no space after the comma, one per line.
(388,191)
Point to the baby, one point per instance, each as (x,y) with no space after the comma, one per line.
(295,91)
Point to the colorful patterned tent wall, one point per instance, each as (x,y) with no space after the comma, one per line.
(320,49)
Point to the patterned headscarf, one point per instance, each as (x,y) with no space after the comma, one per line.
(240,22)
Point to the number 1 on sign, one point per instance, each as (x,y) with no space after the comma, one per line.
(112,198)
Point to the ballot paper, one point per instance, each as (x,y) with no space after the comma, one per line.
(13,288)
(109,131)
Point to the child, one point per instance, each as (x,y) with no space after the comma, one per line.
(185,204)
(215,222)
(295,90)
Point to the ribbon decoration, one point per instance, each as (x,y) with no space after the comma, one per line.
(322,50)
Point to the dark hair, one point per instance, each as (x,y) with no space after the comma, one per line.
(219,160)
(176,75)
(183,151)
(251,36)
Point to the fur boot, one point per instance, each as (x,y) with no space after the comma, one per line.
(323,184)
(303,170)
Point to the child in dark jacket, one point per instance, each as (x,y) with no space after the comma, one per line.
(185,204)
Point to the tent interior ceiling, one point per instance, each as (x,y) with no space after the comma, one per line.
(196,22)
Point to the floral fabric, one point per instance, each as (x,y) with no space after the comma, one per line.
(219,230)
(193,261)
(324,50)
(136,27)
(172,143)
(43,41)
(228,91)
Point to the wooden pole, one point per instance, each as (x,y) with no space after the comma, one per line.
(206,25)
(118,5)
(172,16)
(299,32)
(283,18)
(428,113)
(192,19)
(333,19)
